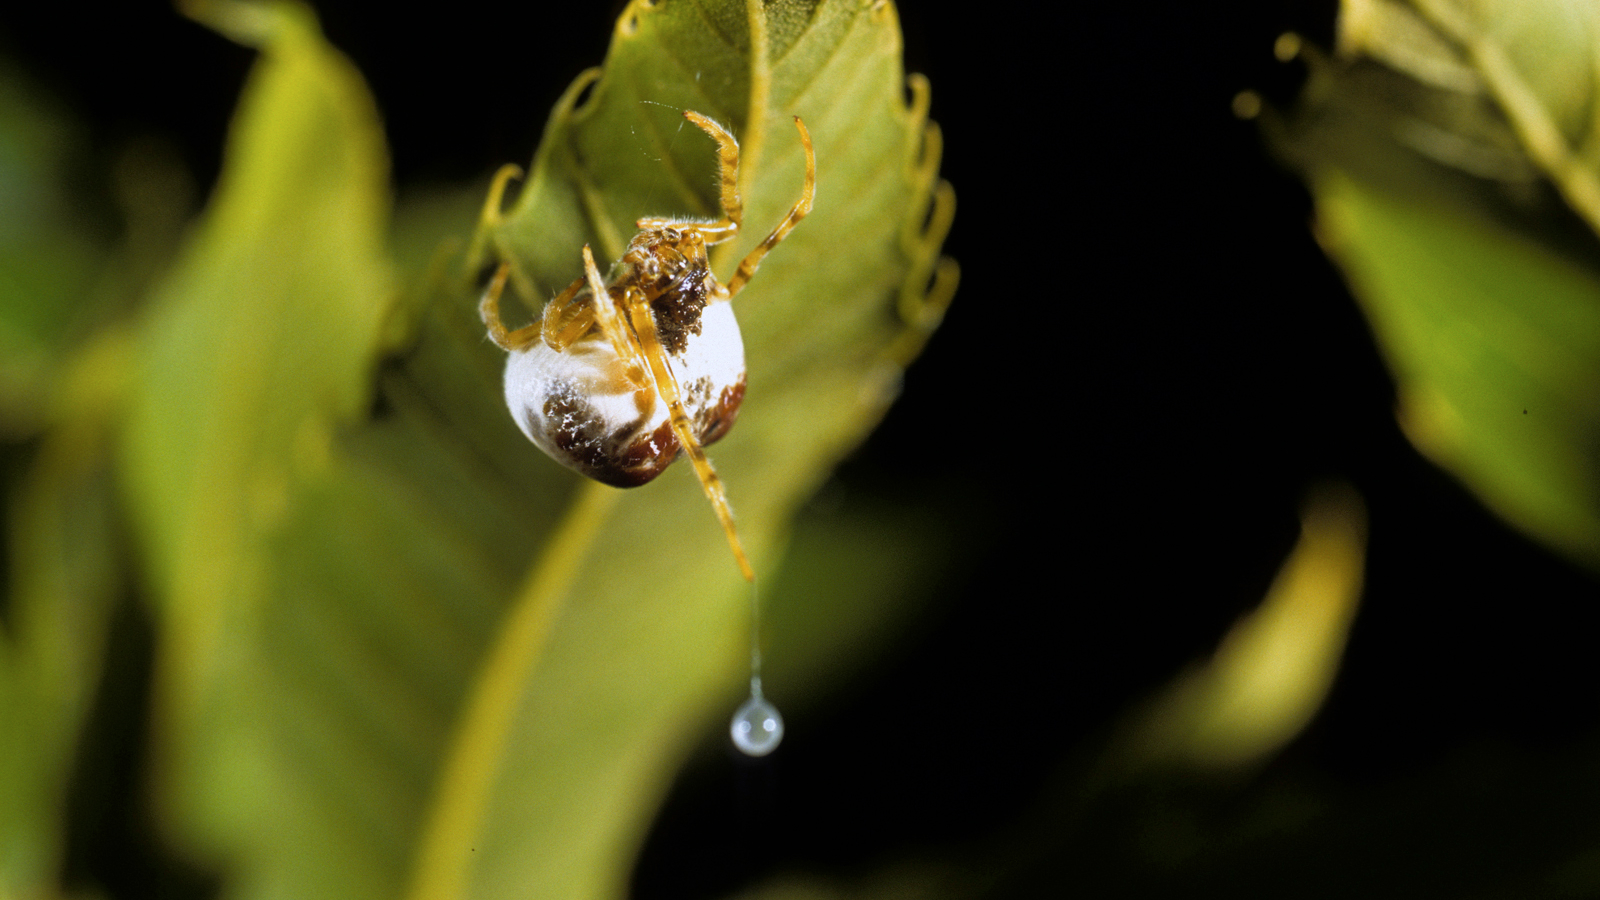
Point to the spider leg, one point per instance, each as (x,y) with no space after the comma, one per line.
(639,315)
(728,174)
(489,311)
(808,192)
(560,323)
(606,315)
(569,331)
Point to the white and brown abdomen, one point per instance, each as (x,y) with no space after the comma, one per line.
(579,406)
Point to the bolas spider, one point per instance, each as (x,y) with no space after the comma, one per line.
(620,375)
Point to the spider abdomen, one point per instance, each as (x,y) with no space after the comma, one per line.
(580,406)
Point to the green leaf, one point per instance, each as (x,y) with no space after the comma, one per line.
(257,349)
(1431,144)
(1537,66)
(1495,344)
(401,650)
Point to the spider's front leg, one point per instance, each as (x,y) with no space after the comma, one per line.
(605,315)
(728,178)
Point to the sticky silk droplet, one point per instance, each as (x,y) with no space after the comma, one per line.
(757,728)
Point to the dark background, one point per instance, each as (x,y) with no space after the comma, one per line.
(1148,364)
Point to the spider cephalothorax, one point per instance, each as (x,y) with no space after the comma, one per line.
(621,375)
(670,267)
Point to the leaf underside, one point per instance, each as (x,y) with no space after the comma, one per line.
(399,651)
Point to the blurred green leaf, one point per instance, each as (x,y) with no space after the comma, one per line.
(254,352)
(396,642)
(1495,343)
(63,567)
(1275,667)
(1536,64)
(1432,142)
(50,253)
(66,577)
